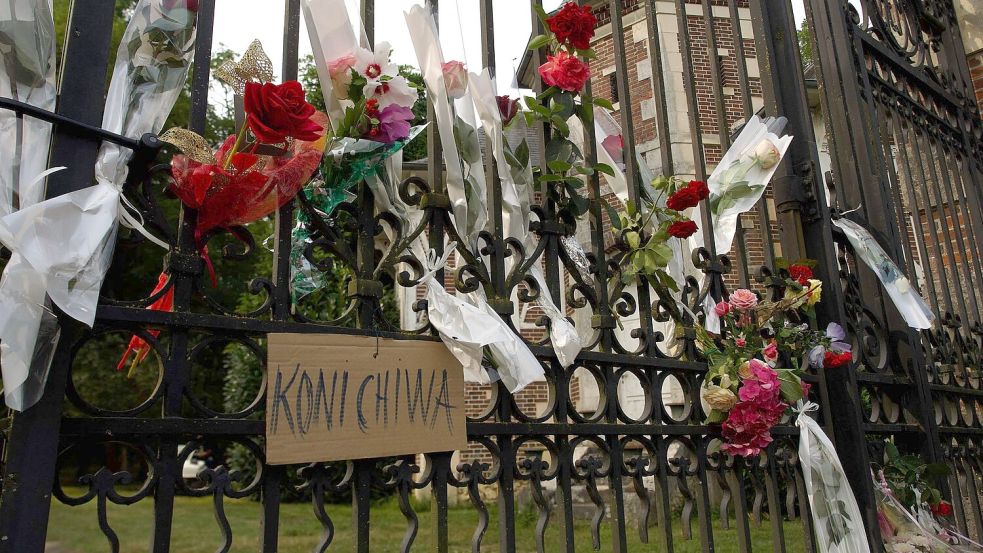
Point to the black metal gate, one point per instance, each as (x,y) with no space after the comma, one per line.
(906,149)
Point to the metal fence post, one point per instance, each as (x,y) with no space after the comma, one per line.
(807,230)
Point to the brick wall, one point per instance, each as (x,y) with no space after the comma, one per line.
(976,72)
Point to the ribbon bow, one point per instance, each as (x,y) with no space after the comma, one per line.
(437,262)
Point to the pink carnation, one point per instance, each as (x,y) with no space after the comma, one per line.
(722,309)
(743,299)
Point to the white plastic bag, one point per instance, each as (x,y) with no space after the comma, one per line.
(910,304)
(836,518)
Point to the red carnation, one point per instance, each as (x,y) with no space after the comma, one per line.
(688,196)
(682,229)
(275,112)
(941,509)
(573,25)
(800,274)
(833,359)
(564,71)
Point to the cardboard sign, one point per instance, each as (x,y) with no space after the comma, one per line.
(336,397)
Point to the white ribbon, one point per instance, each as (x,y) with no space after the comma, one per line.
(836,517)
(910,304)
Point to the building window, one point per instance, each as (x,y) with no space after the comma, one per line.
(613,81)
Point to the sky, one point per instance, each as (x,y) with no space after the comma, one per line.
(238,22)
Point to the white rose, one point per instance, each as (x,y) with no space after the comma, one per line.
(766,154)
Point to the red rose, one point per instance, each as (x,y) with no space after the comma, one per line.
(565,72)
(573,25)
(833,360)
(941,509)
(800,273)
(190,5)
(700,187)
(274,112)
(508,108)
(682,229)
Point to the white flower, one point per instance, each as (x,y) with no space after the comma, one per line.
(395,90)
(766,154)
(903,284)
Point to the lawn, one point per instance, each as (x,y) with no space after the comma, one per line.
(76,530)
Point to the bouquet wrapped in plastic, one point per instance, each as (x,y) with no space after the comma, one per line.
(63,246)
(454,105)
(236,184)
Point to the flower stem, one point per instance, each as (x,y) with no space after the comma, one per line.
(235,147)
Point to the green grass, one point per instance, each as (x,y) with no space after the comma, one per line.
(76,530)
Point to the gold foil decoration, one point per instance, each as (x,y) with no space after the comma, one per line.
(255,66)
(192,144)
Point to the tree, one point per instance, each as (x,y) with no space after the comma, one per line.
(805,44)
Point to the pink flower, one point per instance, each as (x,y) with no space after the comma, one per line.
(887,530)
(340,71)
(743,299)
(770,353)
(394,123)
(722,309)
(763,386)
(741,342)
(805,388)
(746,431)
(455,79)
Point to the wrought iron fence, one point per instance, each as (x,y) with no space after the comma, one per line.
(905,146)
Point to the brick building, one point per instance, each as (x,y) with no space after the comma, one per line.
(969,13)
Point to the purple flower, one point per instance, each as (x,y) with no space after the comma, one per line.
(394,123)
(837,335)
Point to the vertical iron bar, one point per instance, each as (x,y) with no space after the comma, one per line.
(630,157)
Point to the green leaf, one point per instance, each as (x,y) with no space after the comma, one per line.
(604,103)
(633,239)
(716,417)
(562,105)
(560,124)
(538,42)
(791,386)
(550,177)
(541,13)
(575,182)
(560,149)
(604,168)
(892,451)
(558,166)
(522,153)
(666,280)
(662,254)
(612,215)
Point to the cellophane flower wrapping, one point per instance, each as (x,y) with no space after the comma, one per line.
(904,531)
(516,181)
(457,127)
(64,245)
(350,158)
(251,187)
(909,302)
(737,184)
(837,522)
(27,74)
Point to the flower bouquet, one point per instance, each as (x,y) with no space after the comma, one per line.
(236,184)
(648,232)
(370,107)
(756,361)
